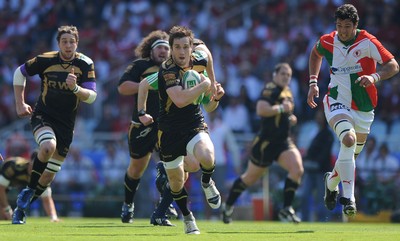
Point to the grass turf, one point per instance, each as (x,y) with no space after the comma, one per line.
(98,229)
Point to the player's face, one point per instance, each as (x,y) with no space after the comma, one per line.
(181,51)
(346,29)
(283,76)
(160,53)
(68,46)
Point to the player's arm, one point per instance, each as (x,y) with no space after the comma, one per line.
(128,88)
(265,109)
(87,93)
(213,104)
(48,205)
(209,67)
(19,83)
(183,97)
(314,66)
(144,87)
(5,208)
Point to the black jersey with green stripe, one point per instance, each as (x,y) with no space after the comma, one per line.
(171,117)
(277,127)
(135,72)
(56,99)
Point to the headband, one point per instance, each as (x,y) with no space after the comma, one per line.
(159,42)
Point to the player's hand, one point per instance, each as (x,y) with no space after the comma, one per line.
(206,80)
(287,106)
(313,91)
(71,79)
(219,91)
(292,120)
(146,119)
(7,213)
(23,110)
(365,80)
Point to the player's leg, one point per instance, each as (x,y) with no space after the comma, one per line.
(344,169)
(133,174)
(141,143)
(46,139)
(202,148)
(290,160)
(164,208)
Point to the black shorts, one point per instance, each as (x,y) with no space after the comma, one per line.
(141,139)
(173,144)
(64,133)
(264,152)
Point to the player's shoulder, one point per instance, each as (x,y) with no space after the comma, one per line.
(48,55)
(362,34)
(269,88)
(199,54)
(84,58)
(169,65)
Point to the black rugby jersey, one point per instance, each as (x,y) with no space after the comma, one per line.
(56,99)
(171,117)
(15,169)
(136,71)
(275,128)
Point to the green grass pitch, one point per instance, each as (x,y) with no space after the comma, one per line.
(97,229)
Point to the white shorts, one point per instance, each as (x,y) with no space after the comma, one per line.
(362,120)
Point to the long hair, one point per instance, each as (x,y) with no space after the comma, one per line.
(143,50)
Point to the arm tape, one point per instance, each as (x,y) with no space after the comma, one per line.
(19,78)
(91,98)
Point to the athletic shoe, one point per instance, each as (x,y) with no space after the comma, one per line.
(288,215)
(127,213)
(330,197)
(212,194)
(24,198)
(18,216)
(226,214)
(171,212)
(349,207)
(163,221)
(190,224)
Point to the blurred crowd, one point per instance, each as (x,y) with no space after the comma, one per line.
(247,38)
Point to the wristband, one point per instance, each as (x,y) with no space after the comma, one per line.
(312,82)
(141,112)
(280,109)
(76,89)
(376,77)
(7,209)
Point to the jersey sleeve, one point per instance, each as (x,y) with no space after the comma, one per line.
(152,80)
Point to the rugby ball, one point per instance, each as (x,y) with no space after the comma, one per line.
(190,79)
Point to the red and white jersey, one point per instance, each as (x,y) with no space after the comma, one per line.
(348,61)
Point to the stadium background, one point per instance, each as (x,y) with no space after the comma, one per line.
(247,38)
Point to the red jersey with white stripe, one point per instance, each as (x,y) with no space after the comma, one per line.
(348,61)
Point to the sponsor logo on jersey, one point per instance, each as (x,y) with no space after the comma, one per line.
(338,106)
(347,70)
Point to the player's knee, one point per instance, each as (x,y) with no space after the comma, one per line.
(47,148)
(349,139)
(345,132)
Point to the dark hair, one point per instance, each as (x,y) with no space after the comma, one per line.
(143,50)
(279,66)
(180,32)
(67,29)
(347,11)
